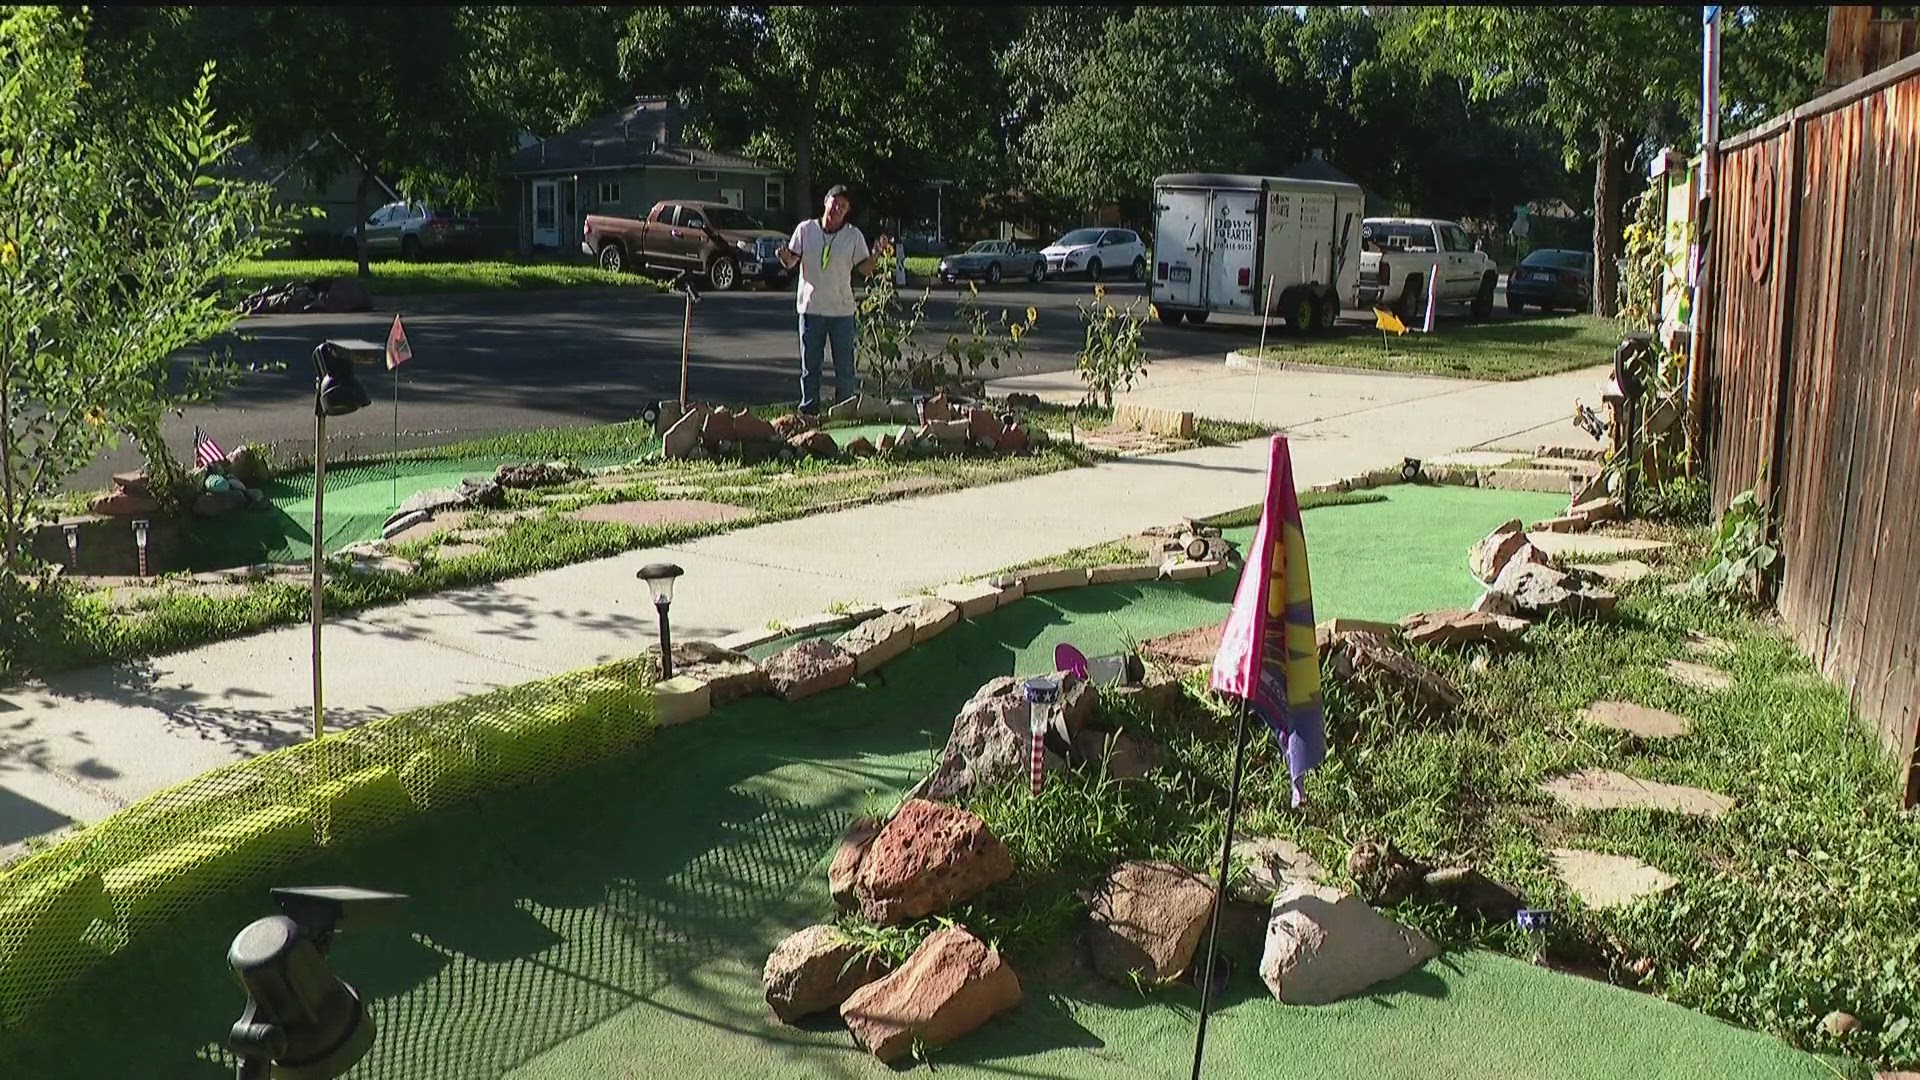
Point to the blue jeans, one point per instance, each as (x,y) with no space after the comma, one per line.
(815,332)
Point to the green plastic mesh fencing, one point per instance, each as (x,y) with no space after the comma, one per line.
(67,907)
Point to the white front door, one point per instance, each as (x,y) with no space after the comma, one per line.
(546,213)
(733,197)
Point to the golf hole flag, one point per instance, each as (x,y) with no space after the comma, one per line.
(398,351)
(1268,657)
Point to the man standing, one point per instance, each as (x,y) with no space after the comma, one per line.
(829,251)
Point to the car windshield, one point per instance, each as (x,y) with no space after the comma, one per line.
(1079,238)
(726,217)
(1558,260)
(1391,237)
(985,247)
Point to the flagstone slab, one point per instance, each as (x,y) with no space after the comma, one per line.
(1637,720)
(1608,881)
(1586,545)
(660,512)
(1605,789)
(1624,572)
(1700,644)
(1699,676)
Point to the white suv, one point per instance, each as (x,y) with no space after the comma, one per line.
(1097,253)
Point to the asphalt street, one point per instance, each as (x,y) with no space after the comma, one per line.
(485,364)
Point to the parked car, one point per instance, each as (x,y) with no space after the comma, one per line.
(1551,278)
(1097,252)
(1417,248)
(415,231)
(726,244)
(992,260)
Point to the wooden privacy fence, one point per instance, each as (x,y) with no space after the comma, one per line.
(1813,362)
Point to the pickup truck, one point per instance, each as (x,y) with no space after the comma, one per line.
(725,244)
(1398,254)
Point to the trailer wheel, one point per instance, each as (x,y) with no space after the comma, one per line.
(1167,316)
(1329,311)
(1303,313)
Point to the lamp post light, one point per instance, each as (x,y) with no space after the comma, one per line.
(659,578)
(335,393)
(1043,701)
(73,546)
(139,542)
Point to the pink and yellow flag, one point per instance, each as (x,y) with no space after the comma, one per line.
(1268,656)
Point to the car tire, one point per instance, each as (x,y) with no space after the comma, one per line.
(722,274)
(993,273)
(1139,270)
(410,248)
(1413,297)
(1169,317)
(1093,270)
(1517,307)
(1036,273)
(613,258)
(1483,300)
(1197,317)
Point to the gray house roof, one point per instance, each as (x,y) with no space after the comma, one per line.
(645,133)
(1315,166)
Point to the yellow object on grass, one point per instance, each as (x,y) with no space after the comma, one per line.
(1388,321)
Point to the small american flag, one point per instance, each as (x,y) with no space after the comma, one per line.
(205,451)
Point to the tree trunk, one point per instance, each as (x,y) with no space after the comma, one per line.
(360,194)
(803,201)
(1606,225)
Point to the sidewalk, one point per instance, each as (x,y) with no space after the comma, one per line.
(86,743)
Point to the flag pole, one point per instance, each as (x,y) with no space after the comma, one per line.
(1220,891)
(393,461)
(1266,316)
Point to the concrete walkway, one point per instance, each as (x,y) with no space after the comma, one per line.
(83,744)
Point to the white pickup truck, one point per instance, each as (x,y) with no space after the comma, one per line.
(1398,255)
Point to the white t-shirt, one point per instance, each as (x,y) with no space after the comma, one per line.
(826,267)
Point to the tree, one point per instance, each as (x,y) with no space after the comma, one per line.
(1167,89)
(1606,79)
(110,248)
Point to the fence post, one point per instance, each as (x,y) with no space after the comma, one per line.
(1789,308)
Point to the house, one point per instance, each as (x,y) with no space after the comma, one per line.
(292,186)
(622,164)
(1863,38)
(1315,166)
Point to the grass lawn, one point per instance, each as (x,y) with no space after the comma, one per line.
(1501,351)
(613,922)
(393,277)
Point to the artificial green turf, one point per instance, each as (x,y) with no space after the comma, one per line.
(612,922)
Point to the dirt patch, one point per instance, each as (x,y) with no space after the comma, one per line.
(660,512)
(1189,648)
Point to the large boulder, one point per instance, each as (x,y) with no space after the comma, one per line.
(1147,921)
(1365,660)
(928,858)
(1324,944)
(992,741)
(1538,591)
(952,984)
(1491,554)
(843,874)
(815,971)
(808,668)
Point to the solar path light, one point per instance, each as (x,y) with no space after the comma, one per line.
(659,578)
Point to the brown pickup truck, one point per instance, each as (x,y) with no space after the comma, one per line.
(728,245)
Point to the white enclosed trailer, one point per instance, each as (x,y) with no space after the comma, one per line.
(1220,240)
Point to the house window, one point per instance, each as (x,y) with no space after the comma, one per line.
(705,175)
(609,192)
(776,193)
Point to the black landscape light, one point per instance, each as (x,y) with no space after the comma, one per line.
(301,1022)
(1409,470)
(335,393)
(659,578)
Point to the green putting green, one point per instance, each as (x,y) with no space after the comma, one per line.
(613,922)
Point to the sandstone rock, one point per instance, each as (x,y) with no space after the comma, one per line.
(346,294)
(877,641)
(887,443)
(1387,630)
(1605,789)
(935,408)
(481,491)
(952,984)
(729,675)
(1047,578)
(1124,572)
(1272,865)
(848,409)
(786,427)
(861,448)
(930,618)
(403,522)
(946,432)
(125,504)
(1324,944)
(681,700)
(1636,720)
(1367,661)
(974,598)
(1594,511)
(684,435)
(1608,881)
(808,668)
(1492,553)
(815,971)
(843,876)
(136,483)
(817,443)
(1156,694)
(1839,1025)
(1012,440)
(1147,921)
(1461,628)
(721,427)
(749,428)
(985,427)
(930,857)
(1494,602)
(1699,676)
(1538,591)
(875,410)
(1384,874)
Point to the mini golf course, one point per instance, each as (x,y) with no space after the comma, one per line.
(613,922)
